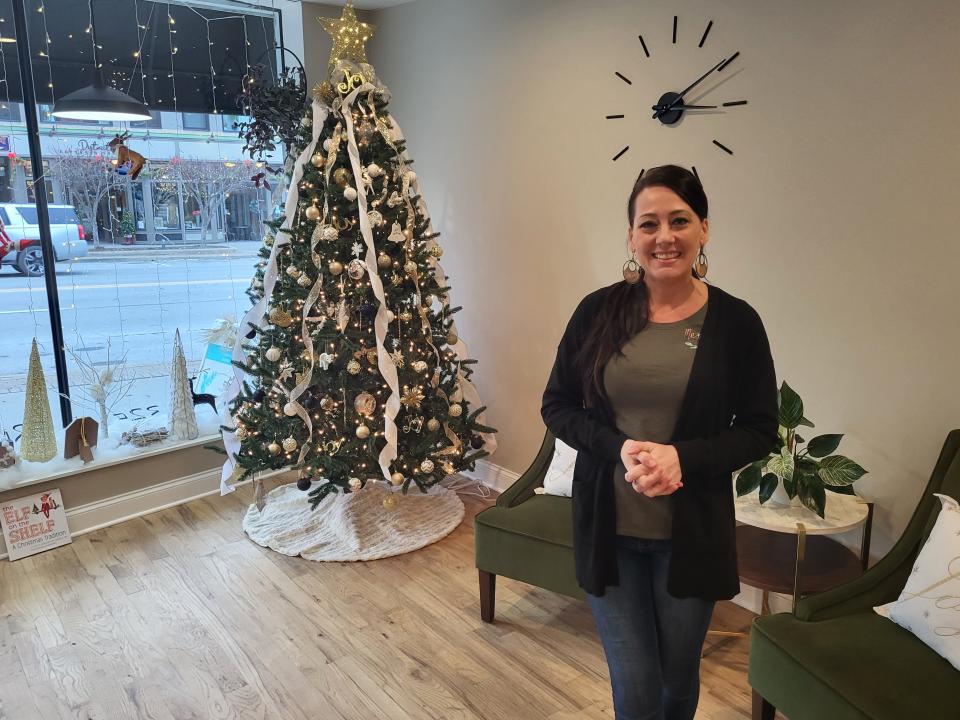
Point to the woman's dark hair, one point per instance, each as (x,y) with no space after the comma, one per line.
(626,311)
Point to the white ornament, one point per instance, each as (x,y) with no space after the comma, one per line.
(426,466)
(274,354)
(394,199)
(390,316)
(350,194)
(375,218)
(410,177)
(327,144)
(324,360)
(419,366)
(329,232)
(289,444)
(290,409)
(355,484)
(396,234)
(374,170)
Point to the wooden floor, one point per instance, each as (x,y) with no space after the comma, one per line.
(177,615)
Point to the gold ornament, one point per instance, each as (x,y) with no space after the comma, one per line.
(372,356)
(273,448)
(419,366)
(383,261)
(289,444)
(365,403)
(363,432)
(455,410)
(336,267)
(312,212)
(293,271)
(328,404)
(329,232)
(397,358)
(274,354)
(353,367)
(406,315)
(318,160)
(304,281)
(241,433)
(414,424)
(452,337)
(436,251)
(426,466)
(412,396)
(433,424)
(348,35)
(390,502)
(396,279)
(280,317)
(341,176)
(409,267)
(324,92)
(396,479)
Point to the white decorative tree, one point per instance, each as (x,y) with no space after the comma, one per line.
(183,419)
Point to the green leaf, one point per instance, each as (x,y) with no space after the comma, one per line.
(791,488)
(748,480)
(814,497)
(823,445)
(838,470)
(845,490)
(782,465)
(791,407)
(767,485)
(806,423)
(799,440)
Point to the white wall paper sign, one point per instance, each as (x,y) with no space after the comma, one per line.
(34,523)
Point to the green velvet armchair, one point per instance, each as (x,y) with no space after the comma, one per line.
(834,658)
(526,537)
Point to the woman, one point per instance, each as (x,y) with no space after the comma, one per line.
(665,386)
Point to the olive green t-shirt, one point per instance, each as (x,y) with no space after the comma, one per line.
(646,385)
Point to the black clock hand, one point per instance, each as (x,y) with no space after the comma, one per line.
(687,89)
(683,107)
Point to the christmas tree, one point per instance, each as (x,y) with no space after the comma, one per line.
(39,443)
(183,418)
(352,370)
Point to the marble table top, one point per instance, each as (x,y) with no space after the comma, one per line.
(843,513)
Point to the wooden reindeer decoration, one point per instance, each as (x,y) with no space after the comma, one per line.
(201,398)
(129,162)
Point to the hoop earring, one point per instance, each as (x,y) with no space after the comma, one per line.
(632,272)
(702,265)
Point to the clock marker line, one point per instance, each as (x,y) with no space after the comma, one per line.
(694,168)
(728,61)
(735,102)
(614,117)
(705,33)
(622,77)
(674,29)
(617,156)
(642,171)
(645,51)
(723,147)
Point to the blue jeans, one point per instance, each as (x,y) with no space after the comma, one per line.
(651,639)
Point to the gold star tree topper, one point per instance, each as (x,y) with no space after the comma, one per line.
(349,36)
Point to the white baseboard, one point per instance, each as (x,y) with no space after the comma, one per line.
(492,475)
(111,511)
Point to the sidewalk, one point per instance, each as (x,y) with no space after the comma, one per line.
(146,251)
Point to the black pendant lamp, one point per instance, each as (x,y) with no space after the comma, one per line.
(98,101)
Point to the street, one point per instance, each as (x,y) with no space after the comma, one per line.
(136,300)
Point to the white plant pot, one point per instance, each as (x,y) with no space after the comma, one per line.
(780,498)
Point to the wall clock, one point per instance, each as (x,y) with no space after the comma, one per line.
(683,95)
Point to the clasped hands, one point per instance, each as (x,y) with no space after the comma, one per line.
(652,469)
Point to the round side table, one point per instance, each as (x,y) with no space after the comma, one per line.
(785,549)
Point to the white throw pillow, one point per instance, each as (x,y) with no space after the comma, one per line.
(559,478)
(929,605)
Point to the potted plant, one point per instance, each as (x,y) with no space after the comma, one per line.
(127,227)
(807,473)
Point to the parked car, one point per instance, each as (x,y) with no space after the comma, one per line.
(20,243)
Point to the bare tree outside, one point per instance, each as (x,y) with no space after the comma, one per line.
(87,175)
(208,183)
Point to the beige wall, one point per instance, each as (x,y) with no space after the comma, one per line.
(835,218)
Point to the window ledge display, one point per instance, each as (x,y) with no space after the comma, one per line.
(28,473)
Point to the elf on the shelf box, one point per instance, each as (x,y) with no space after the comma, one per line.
(33,524)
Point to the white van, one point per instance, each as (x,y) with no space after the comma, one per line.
(22,228)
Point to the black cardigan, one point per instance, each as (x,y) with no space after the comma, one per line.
(728,419)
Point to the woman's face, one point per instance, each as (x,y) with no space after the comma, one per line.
(666,235)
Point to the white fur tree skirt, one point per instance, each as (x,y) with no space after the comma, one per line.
(353,526)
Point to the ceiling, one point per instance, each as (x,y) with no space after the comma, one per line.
(363,4)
